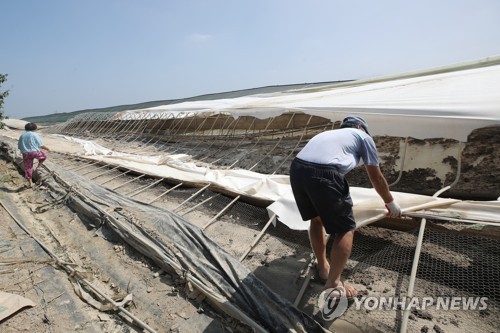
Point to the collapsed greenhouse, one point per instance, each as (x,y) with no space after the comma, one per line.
(201,189)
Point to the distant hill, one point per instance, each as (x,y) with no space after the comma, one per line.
(64,116)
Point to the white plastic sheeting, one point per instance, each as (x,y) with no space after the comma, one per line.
(14,123)
(449,104)
(179,162)
(368,206)
(445,103)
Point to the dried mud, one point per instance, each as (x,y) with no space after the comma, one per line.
(379,265)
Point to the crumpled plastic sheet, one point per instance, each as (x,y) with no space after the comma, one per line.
(152,230)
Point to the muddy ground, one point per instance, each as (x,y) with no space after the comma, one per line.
(379,265)
(159,299)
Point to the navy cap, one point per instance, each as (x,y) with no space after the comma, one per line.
(353,121)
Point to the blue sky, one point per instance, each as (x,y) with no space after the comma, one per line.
(63,56)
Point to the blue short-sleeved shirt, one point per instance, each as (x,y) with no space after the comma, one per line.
(342,148)
(29,141)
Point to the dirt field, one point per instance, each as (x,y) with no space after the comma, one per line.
(158,298)
(379,265)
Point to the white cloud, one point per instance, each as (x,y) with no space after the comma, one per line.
(199,37)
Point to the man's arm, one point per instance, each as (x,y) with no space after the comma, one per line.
(380,184)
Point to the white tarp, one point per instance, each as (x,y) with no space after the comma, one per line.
(368,207)
(445,105)
(14,123)
(449,104)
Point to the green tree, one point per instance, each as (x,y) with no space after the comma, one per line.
(3,95)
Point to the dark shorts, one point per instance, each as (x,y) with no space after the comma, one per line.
(320,190)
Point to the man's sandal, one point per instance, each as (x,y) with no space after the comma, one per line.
(334,302)
(341,291)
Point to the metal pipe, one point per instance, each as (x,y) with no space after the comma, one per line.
(122,174)
(191,116)
(177,128)
(416,259)
(306,281)
(143,119)
(91,120)
(83,167)
(258,238)
(72,123)
(150,134)
(255,144)
(213,141)
(120,126)
(132,193)
(102,174)
(99,120)
(72,165)
(105,124)
(403,158)
(136,124)
(199,204)
(296,145)
(277,143)
(145,144)
(198,128)
(130,181)
(99,168)
(461,145)
(118,122)
(221,134)
(180,144)
(192,196)
(164,193)
(308,276)
(445,218)
(126,128)
(221,212)
(169,131)
(87,124)
(231,134)
(141,126)
(414,268)
(80,124)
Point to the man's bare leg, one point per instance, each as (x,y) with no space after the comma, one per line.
(317,236)
(341,250)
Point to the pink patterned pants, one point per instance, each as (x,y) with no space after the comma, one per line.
(28,162)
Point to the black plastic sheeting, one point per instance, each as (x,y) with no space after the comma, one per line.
(182,245)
